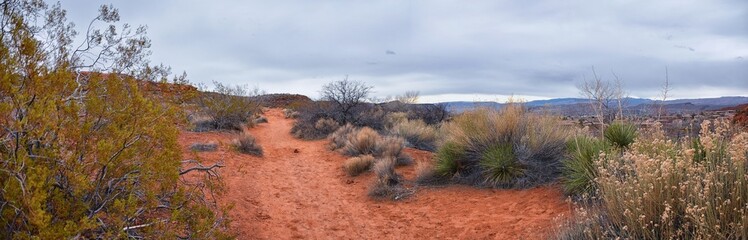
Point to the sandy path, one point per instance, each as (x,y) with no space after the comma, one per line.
(298,190)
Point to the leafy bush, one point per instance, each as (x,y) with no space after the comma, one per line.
(247,144)
(356,165)
(579,170)
(656,190)
(501,148)
(84,154)
(620,134)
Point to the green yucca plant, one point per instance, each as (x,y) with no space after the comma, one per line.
(621,134)
(579,170)
(500,165)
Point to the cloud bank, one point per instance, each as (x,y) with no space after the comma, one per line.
(450,50)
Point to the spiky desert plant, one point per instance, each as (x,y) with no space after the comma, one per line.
(500,166)
(621,134)
(579,169)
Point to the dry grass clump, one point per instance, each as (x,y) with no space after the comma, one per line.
(339,138)
(505,148)
(416,133)
(661,189)
(247,144)
(364,141)
(356,165)
(388,184)
(352,141)
(204,147)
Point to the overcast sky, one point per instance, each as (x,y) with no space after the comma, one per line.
(449,50)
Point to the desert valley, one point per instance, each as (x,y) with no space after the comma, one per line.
(96,142)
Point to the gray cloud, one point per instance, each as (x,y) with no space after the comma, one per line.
(536,48)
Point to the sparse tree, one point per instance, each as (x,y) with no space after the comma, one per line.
(601,95)
(346,96)
(410,97)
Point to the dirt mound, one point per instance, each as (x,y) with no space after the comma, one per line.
(299,190)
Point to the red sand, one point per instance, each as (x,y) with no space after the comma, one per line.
(306,195)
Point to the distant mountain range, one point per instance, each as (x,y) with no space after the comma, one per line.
(578,106)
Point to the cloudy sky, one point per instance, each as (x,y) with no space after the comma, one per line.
(449,50)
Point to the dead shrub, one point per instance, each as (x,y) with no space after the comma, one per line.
(388,184)
(339,138)
(356,165)
(247,144)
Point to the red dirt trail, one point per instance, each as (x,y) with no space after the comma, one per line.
(298,190)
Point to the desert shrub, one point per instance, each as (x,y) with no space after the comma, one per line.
(416,133)
(290,113)
(655,190)
(352,141)
(579,169)
(430,114)
(247,144)
(620,134)
(393,147)
(501,148)
(388,184)
(311,125)
(229,107)
(204,147)
(357,165)
(362,142)
(84,154)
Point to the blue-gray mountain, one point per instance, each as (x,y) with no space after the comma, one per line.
(581,106)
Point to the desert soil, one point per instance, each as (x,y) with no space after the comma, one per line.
(298,190)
